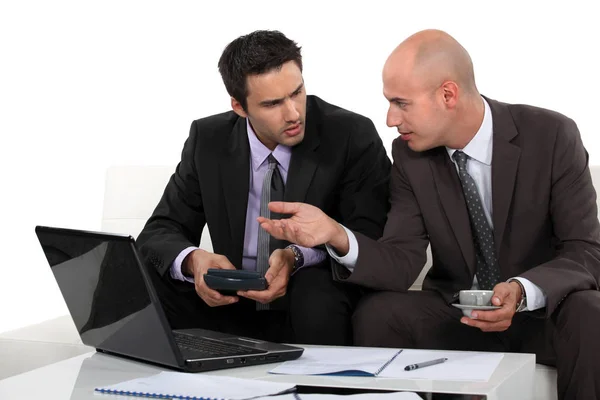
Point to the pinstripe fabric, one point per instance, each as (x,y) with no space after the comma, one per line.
(272,190)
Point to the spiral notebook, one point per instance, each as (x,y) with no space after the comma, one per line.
(339,361)
(178,385)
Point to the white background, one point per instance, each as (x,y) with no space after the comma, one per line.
(85,85)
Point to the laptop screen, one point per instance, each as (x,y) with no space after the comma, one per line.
(107,293)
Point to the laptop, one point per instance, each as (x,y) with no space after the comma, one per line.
(112,299)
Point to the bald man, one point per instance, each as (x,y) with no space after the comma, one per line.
(503,194)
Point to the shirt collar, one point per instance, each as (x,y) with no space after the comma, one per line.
(259,152)
(481,146)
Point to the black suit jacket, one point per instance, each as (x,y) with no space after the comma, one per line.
(544,211)
(341,167)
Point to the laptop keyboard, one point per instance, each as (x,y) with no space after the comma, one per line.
(211,348)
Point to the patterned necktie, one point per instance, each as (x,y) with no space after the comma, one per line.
(488,271)
(272,190)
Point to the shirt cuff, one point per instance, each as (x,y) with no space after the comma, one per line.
(312,256)
(175,269)
(349,260)
(536,298)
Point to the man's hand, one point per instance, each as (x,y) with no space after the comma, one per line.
(506,295)
(196,264)
(281,264)
(308,226)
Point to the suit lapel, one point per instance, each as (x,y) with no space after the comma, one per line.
(303,163)
(453,202)
(505,163)
(235,172)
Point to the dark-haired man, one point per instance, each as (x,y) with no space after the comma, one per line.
(277,140)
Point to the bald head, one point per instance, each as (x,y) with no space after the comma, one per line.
(429,83)
(429,58)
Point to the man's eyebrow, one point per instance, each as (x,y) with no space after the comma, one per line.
(272,102)
(398,100)
(298,88)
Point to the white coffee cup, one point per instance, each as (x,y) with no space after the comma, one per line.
(475,297)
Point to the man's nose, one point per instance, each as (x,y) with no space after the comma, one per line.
(393,118)
(291,113)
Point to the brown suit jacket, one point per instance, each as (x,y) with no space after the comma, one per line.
(544,212)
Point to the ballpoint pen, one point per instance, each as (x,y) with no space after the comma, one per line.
(424,364)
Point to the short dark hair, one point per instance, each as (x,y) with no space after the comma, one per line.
(254,54)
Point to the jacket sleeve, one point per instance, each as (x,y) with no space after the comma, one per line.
(574,218)
(395,261)
(178,220)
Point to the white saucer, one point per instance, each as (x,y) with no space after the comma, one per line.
(466,309)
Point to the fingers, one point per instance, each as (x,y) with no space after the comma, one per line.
(282,207)
(497,320)
(277,289)
(490,321)
(273,228)
(203,264)
(280,259)
(222,262)
(263,220)
(280,229)
(212,297)
(290,231)
(485,326)
(280,266)
(492,316)
(262,296)
(501,293)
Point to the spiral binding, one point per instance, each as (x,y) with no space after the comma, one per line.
(153,395)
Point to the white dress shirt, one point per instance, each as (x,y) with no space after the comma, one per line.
(479,166)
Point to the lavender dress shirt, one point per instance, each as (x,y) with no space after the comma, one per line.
(259,165)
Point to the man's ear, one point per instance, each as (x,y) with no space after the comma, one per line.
(237,108)
(450,94)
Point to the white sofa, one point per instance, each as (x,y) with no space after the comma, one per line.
(132,192)
(130,196)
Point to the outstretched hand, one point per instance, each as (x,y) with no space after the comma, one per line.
(306,226)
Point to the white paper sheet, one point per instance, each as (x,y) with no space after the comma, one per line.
(316,361)
(461,366)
